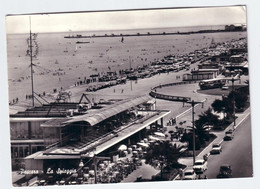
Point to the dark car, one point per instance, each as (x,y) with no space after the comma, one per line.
(225,171)
(216,149)
(229,135)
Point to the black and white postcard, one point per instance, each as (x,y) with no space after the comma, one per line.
(130,95)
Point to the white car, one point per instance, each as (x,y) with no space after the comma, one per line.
(225,87)
(200,166)
(189,174)
(216,149)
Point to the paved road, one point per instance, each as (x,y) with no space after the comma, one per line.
(237,153)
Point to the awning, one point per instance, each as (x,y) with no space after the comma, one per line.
(153,138)
(58,122)
(122,147)
(110,111)
(159,134)
(143,144)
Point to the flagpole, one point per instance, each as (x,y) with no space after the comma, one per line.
(31,63)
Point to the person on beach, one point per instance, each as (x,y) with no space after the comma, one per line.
(122,91)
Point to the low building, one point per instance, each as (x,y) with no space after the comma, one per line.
(198,76)
(201,74)
(209,65)
(238,68)
(235,51)
(66,141)
(237,59)
(27,136)
(236,27)
(221,58)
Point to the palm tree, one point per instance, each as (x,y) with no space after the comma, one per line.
(206,118)
(164,154)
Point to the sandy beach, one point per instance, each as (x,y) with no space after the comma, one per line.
(57,69)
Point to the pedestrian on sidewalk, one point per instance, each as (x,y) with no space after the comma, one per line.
(181,173)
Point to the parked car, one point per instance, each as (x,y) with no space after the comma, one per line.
(229,135)
(200,166)
(225,87)
(225,171)
(189,174)
(216,149)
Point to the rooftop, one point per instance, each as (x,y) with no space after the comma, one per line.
(69,152)
(96,116)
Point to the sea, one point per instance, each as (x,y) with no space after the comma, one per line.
(60,62)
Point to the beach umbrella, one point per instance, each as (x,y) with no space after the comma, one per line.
(159,134)
(122,147)
(153,138)
(75,175)
(86,176)
(143,144)
(91,154)
(91,172)
(62,182)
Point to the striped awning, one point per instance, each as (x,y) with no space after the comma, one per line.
(110,111)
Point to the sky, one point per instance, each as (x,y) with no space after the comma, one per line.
(121,20)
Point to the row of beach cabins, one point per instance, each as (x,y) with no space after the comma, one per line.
(170,63)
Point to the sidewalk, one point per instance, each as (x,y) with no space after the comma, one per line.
(145,170)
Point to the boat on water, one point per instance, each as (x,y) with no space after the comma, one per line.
(80,42)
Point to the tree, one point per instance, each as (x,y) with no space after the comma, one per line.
(206,118)
(218,106)
(188,137)
(225,106)
(201,132)
(240,97)
(164,154)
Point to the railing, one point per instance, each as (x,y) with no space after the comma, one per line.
(173,84)
(169,97)
(154,94)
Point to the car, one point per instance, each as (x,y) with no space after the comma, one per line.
(200,166)
(189,174)
(229,135)
(216,149)
(225,87)
(225,171)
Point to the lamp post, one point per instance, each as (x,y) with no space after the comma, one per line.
(193,131)
(193,103)
(155,103)
(234,105)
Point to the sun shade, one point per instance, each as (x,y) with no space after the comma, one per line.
(110,111)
